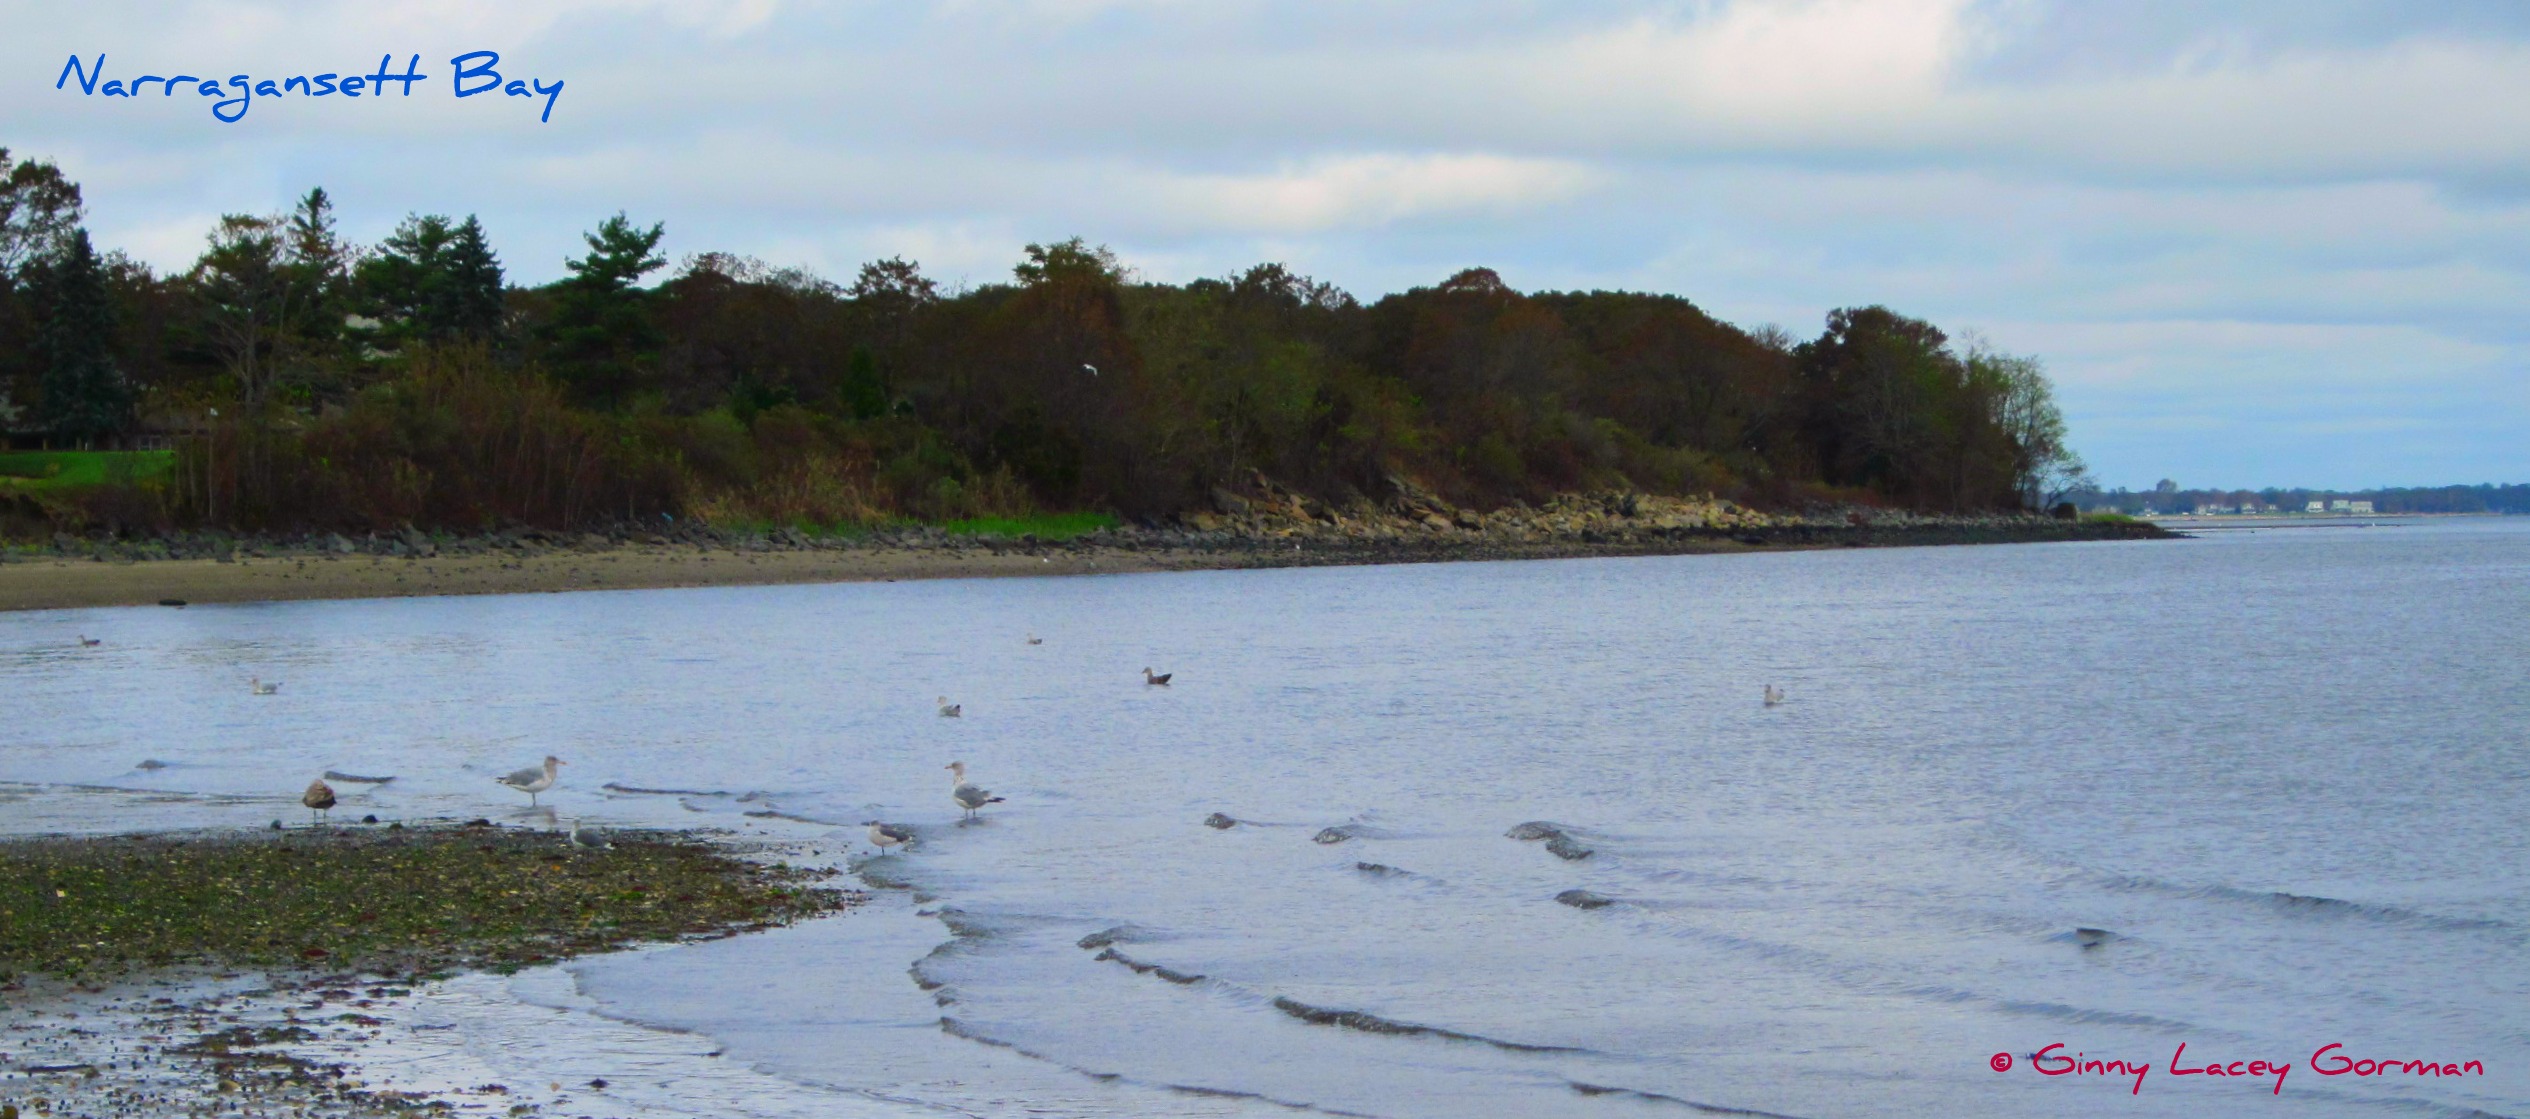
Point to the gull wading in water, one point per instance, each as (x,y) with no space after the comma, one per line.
(319,799)
(950,710)
(532,780)
(884,836)
(969,797)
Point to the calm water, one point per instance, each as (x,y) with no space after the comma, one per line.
(2286,769)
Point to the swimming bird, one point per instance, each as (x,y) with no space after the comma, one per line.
(950,710)
(967,796)
(1774,696)
(532,780)
(1160,680)
(319,798)
(1033,639)
(91,642)
(261,688)
(884,836)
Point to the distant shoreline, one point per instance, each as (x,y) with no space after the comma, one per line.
(81,574)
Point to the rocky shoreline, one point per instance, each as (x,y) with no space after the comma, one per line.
(1271,529)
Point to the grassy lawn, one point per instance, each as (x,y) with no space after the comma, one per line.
(49,469)
(1045,526)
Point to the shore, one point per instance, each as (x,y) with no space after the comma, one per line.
(213,568)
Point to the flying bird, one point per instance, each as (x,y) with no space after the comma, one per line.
(1160,680)
(533,780)
(884,836)
(967,796)
(319,798)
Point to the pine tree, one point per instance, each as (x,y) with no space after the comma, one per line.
(473,293)
(602,336)
(85,397)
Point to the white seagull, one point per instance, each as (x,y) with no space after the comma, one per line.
(1774,696)
(969,797)
(260,688)
(884,836)
(950,710)
(533,780)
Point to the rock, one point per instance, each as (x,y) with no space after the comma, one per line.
(1564,848)
(1584,899)
(1533,831)
(1331,836)
(1467,519)
(335,543)
(1228,502)
(1217,820)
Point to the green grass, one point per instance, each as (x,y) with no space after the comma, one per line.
(419,900)
(1044,526)
(54,469)
(2108,519)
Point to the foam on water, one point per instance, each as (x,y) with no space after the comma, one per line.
(2279,774)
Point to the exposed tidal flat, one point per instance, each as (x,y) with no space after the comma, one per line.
(1281,530)
(1511,838)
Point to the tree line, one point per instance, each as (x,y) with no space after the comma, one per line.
(310,382)
(2169,497)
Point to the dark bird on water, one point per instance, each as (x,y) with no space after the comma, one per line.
(319,798)
(967,796)
(91,642)
(1160,680)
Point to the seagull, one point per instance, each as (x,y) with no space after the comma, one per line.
(950,710)
(884,836)
(1160,680)
(593,840)
(969,797)
(90,642)
(261,688)
(532,780)
(319,798)
(1774,696)
(1033,639)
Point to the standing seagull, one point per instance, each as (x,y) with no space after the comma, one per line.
(319,798)
(1160,680)
(884,836)
(950,710)
(969,797)
(261,688)
(531,780)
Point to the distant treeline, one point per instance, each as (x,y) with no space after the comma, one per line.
(309,382)
(2169,498)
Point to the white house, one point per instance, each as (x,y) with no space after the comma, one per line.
(2362,507)
(2341,505)
(2316,507)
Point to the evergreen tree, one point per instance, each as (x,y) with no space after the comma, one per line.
(602,336)
(434,281)
(85,397)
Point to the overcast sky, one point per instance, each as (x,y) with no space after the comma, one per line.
(2256,243)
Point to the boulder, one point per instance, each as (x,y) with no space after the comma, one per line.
(1584,899)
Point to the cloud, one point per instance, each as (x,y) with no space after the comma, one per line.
(1366,191)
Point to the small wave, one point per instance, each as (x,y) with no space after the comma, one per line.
(2314,905)
(1372,1023)
(1656,1097)
(1182,979)
(354,778)
(636,790)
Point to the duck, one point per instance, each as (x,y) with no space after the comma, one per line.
(257,684)
(950,710)
(533,780)
(319,798)
(1158,681)
(967,796)
(884,836)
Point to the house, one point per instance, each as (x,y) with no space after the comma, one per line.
(2361,507)
(2316,507)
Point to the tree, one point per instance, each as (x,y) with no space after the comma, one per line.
(39,211)
(433,280)
(249,297)
(85,398)
(322,263)
(601,335)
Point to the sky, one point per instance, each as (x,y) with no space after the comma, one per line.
(2256,243)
